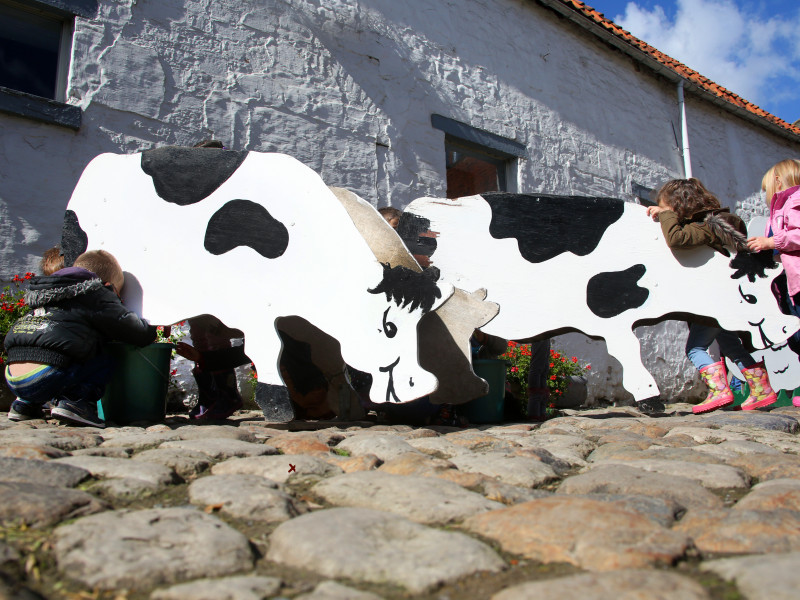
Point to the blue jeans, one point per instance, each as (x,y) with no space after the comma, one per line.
(702,336)
(79,381)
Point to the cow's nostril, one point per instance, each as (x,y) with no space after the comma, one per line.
(410,382)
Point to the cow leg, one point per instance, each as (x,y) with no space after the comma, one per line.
(638,380)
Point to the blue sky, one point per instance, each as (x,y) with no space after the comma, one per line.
(751,47)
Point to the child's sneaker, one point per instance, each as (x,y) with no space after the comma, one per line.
(77,413)
(24,411)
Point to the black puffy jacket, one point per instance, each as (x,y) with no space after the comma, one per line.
(72,315)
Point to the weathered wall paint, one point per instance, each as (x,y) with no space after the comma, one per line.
(348,86)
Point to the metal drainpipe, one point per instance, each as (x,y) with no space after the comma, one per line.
(687,156)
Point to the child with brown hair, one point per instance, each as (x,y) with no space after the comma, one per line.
(55,352)
(52,261)
(691,216)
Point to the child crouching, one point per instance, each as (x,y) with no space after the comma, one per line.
(55,352)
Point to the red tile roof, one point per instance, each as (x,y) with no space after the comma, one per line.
(690,75)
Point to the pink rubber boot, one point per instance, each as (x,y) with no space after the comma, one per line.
(719,394)
(761,392)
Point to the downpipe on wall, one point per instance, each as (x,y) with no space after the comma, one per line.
(687,156)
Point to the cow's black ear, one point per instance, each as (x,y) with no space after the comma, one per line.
(74,240)
(185,176)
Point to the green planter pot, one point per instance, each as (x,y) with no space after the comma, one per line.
(575,395)
(488,408)
(138,389)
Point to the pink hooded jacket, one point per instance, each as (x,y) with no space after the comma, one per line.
(784,220)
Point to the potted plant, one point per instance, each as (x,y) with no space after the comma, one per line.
(566,379)
(12,307)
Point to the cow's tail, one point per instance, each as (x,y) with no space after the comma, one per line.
(729,236)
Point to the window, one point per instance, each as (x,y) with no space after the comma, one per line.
(35,47)
(30,45)
(477,161)
(472,170)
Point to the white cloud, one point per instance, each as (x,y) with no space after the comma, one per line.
(754,56)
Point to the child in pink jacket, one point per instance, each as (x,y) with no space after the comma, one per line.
(782,186)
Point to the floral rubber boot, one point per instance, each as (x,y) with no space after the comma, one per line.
(761,392)
(719,394)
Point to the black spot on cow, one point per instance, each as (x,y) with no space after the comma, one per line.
(411,229)
(546,226)
(612,293)
(752,264)
(74,240)
(185,176)
(245,223)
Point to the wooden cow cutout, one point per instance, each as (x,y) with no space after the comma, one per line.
(250,237)
(444,333)
(595,265)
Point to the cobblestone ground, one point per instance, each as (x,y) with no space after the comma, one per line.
(596,504)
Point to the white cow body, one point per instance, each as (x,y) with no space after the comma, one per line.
(550,297)
(322,275)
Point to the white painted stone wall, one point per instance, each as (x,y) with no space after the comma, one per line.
(348,87)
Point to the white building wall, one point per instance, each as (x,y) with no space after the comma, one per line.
(348,87)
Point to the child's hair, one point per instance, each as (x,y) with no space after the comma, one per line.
(104,265)
(789,173)
(686,197)
(209,144)
(391,214)
(52,261)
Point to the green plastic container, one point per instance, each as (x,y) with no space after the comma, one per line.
(138,389)
(488,408)
(784,397)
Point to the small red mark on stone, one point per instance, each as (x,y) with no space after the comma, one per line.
(291,468)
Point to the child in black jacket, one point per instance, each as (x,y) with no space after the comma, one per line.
(55,352)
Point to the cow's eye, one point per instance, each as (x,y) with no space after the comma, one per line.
(749,298)
(389,328)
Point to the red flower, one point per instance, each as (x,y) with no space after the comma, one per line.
(160,328)
(574,359)
(552,377)
(588,367)
(552,405)
(173,372)
(552,365)
(514,370)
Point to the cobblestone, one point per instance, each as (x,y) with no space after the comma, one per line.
(598,503)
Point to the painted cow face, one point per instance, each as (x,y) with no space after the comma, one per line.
(396,304)
(750,289)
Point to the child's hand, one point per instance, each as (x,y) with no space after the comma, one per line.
(188,352)
(652,211)
(757,244)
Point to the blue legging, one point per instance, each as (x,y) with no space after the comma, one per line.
(79,381)
(702,336)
